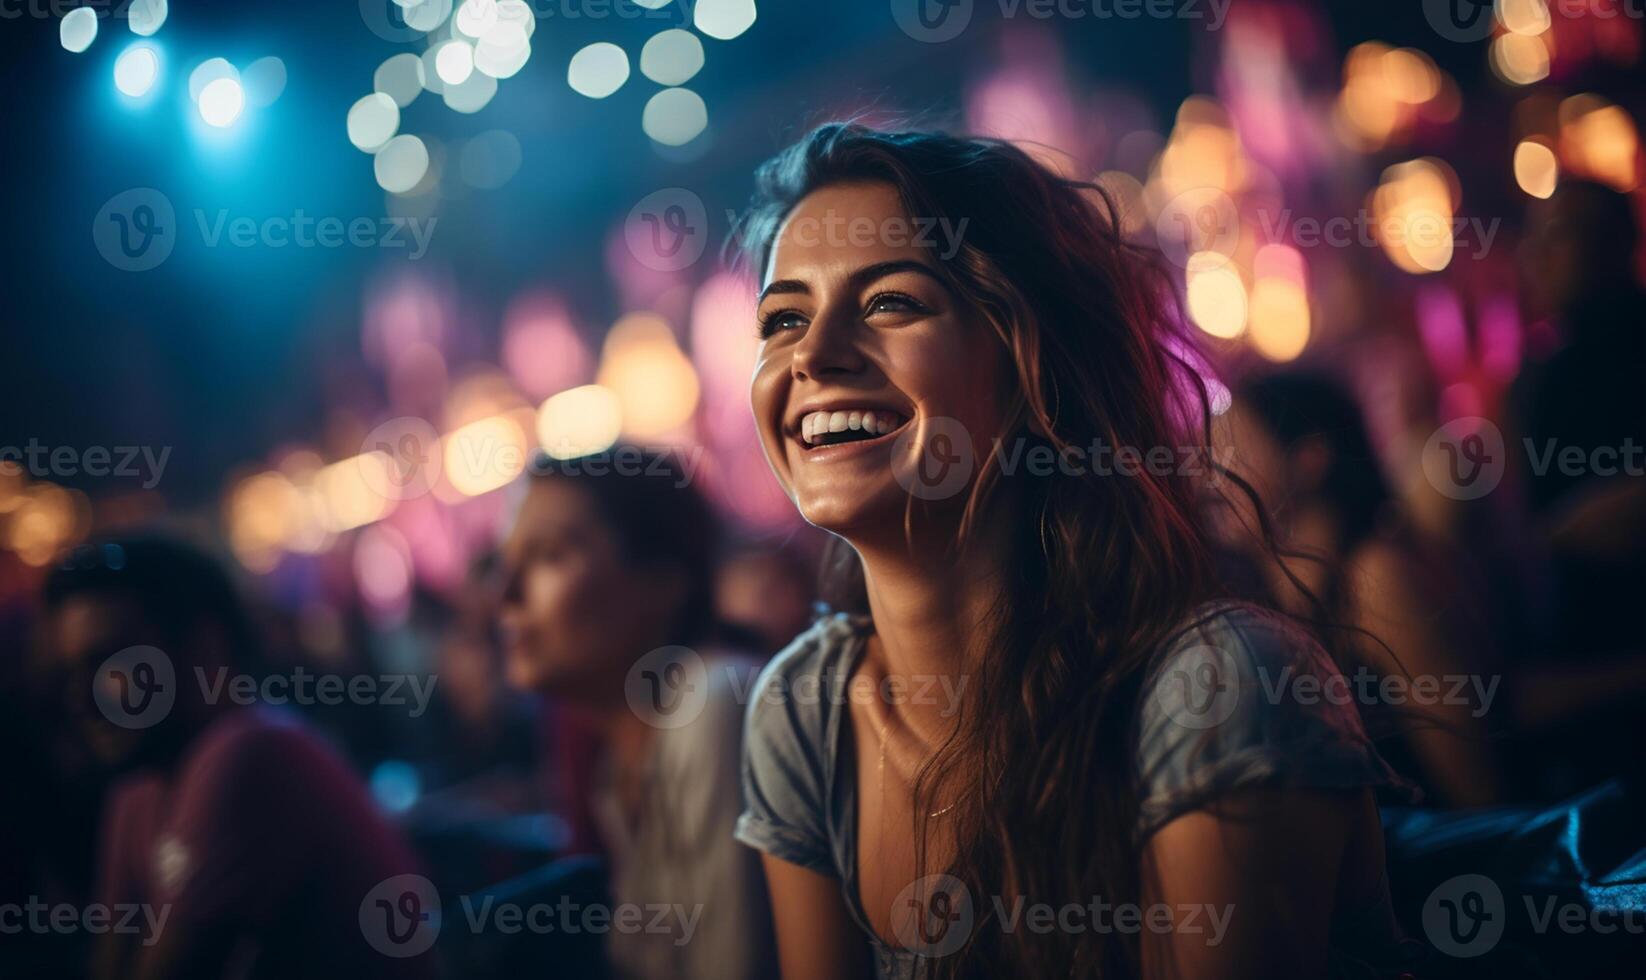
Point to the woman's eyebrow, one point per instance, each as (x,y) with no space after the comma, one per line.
(881,270)
(778,286)
(861,277)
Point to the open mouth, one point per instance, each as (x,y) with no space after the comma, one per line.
(821,429)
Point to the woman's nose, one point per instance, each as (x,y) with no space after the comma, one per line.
(829,347)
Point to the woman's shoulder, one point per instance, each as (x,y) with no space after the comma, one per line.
(788,752)
(1243,696)
(794,688)
(1237,641)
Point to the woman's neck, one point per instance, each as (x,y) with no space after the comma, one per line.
(931,610)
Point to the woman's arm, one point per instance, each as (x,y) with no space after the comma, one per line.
(1252,885)
(816,938)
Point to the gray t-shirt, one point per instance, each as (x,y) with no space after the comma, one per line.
(703,910)
(1238,699)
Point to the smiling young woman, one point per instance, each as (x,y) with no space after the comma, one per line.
(1102,739)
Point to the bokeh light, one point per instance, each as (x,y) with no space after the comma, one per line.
(675,116)
(672,57)
(454,61)
(1599,140)
(1412,212)
(221,102)
(598,70)
(655,384)
(401,163)
(490,159)
(209,71)
(503,50)
(1280,322)
(264,80)
(542,349)
(78,29)
(484,455)
(400,78)
(136,70)
(1216,297)
(1527,17)
(723,19)
(472,95)
(426,15)
(373,121)
(579,421)
(1537,171)
(1519,59)
(146,17)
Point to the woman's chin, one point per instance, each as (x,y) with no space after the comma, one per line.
(853,512)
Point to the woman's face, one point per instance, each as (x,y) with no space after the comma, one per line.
(575,614)
(872,375)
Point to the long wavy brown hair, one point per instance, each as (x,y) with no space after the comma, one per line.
(1106,569)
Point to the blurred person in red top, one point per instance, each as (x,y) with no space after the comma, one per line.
(248,844)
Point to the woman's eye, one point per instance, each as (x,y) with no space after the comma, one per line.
(780,320)
(895,303)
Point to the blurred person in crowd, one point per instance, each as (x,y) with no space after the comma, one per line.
(1082,715)
(1578,435)
(1302,442)
(607,607)
(248,843)
(48,847)
(767,594)
(486,732)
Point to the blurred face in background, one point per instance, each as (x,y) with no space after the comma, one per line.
(575,612)
(858,323)
(80,634)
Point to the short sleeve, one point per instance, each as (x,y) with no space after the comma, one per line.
(785,767)
(1242,700)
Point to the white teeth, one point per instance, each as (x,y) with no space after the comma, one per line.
(815,425)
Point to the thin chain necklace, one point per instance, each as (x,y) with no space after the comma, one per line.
(880,770)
